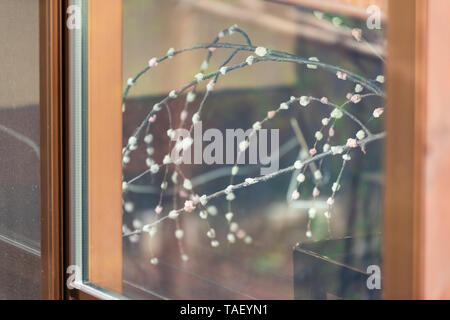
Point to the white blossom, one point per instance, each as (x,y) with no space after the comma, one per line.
(318,135)
(326,147)
(250,60)
(325,121)
(231,196)
(211,233)
(248,240)
(164,185)
(173,94)
(243,145)
(337,114)
(204,65)
(360,134)
(130,82)
(179,234)
(304,100)
(148,138)
(257,126)
(317,175)
(128,206)
(380,79)
(261,51)
(154,261)
(124,186)
(190,97)
(229,216)
(359,88)
(312,213)
(167,159)
(234,170)
(187,184)
(154,168)
(301,178)
(199,77)
(336,186)
(171,133)
(312,66)
(173,214)
(346,157)
(132,140)
(156,107)
(234,227)
(203,214)
(195,118)
(170,53)
(337,150)
(250,181)
(298,165)
(203,200)
(223,70)
(231,238)
(284,106)
(215,243)
(212,210)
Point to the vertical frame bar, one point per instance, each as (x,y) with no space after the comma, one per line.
(105,143)
(50,43)
(418,143)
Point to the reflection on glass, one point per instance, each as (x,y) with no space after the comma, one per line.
(273,244)
(19,151)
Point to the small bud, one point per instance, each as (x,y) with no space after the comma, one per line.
(261,51)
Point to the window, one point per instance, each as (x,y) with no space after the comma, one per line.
(20,248)
(253,235)
(324,204)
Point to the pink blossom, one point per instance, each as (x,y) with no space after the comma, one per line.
(295,195)
(378,112)
(331,132)
(357,34)
(324,100)
(349,96)
(352,143)
(153,62)
(152,118)
(312,152)
(316,192)
(158,209)
(241,234)
(271,114)
(196,199)
(330,201)
(356,98)
(341,75)
(212,49)
(183,194)
(189,206)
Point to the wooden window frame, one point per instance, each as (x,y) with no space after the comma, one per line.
(414,225)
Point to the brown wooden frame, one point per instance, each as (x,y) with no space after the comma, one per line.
(51,95)
(105,143)
(414,225)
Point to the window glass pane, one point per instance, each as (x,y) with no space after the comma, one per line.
(19,149)
(267,242)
